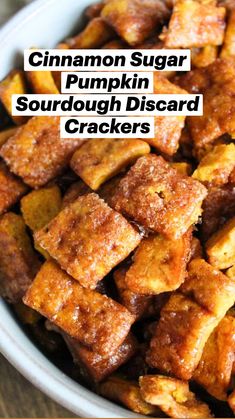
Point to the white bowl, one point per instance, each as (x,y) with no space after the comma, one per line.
(44,23)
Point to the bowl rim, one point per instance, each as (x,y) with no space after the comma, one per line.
(24,355)
(15,346)
(19,19)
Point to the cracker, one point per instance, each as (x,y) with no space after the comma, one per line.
(220,247)
(172,396)
(194,24)
(11,188)
(128,394)
(18,261)
(159,197)
(95,35)
(88,239)
(209,287)
(216,166)
(15,84)
(31,156)
(216,365)
(96,321)
(159,264)
(100,159)
(180,336)
(135,20)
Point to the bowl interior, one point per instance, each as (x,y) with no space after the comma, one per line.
(42,24)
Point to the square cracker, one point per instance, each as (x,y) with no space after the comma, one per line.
(14,83)
(128,394)
(135,20)
(167,128)
(173,397)
(88,238)
(217,84)
(220,248)
(18,261)
(36,152)
(181,333)
(217,165)
(11,188)
(194,24)
(100,159)
(216,365)
(95,367)
(96,321)
(209,287)
(159,264)
(157,196)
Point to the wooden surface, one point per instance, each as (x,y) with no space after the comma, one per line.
(20,399)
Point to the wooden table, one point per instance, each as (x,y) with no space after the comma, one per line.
(20,399)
